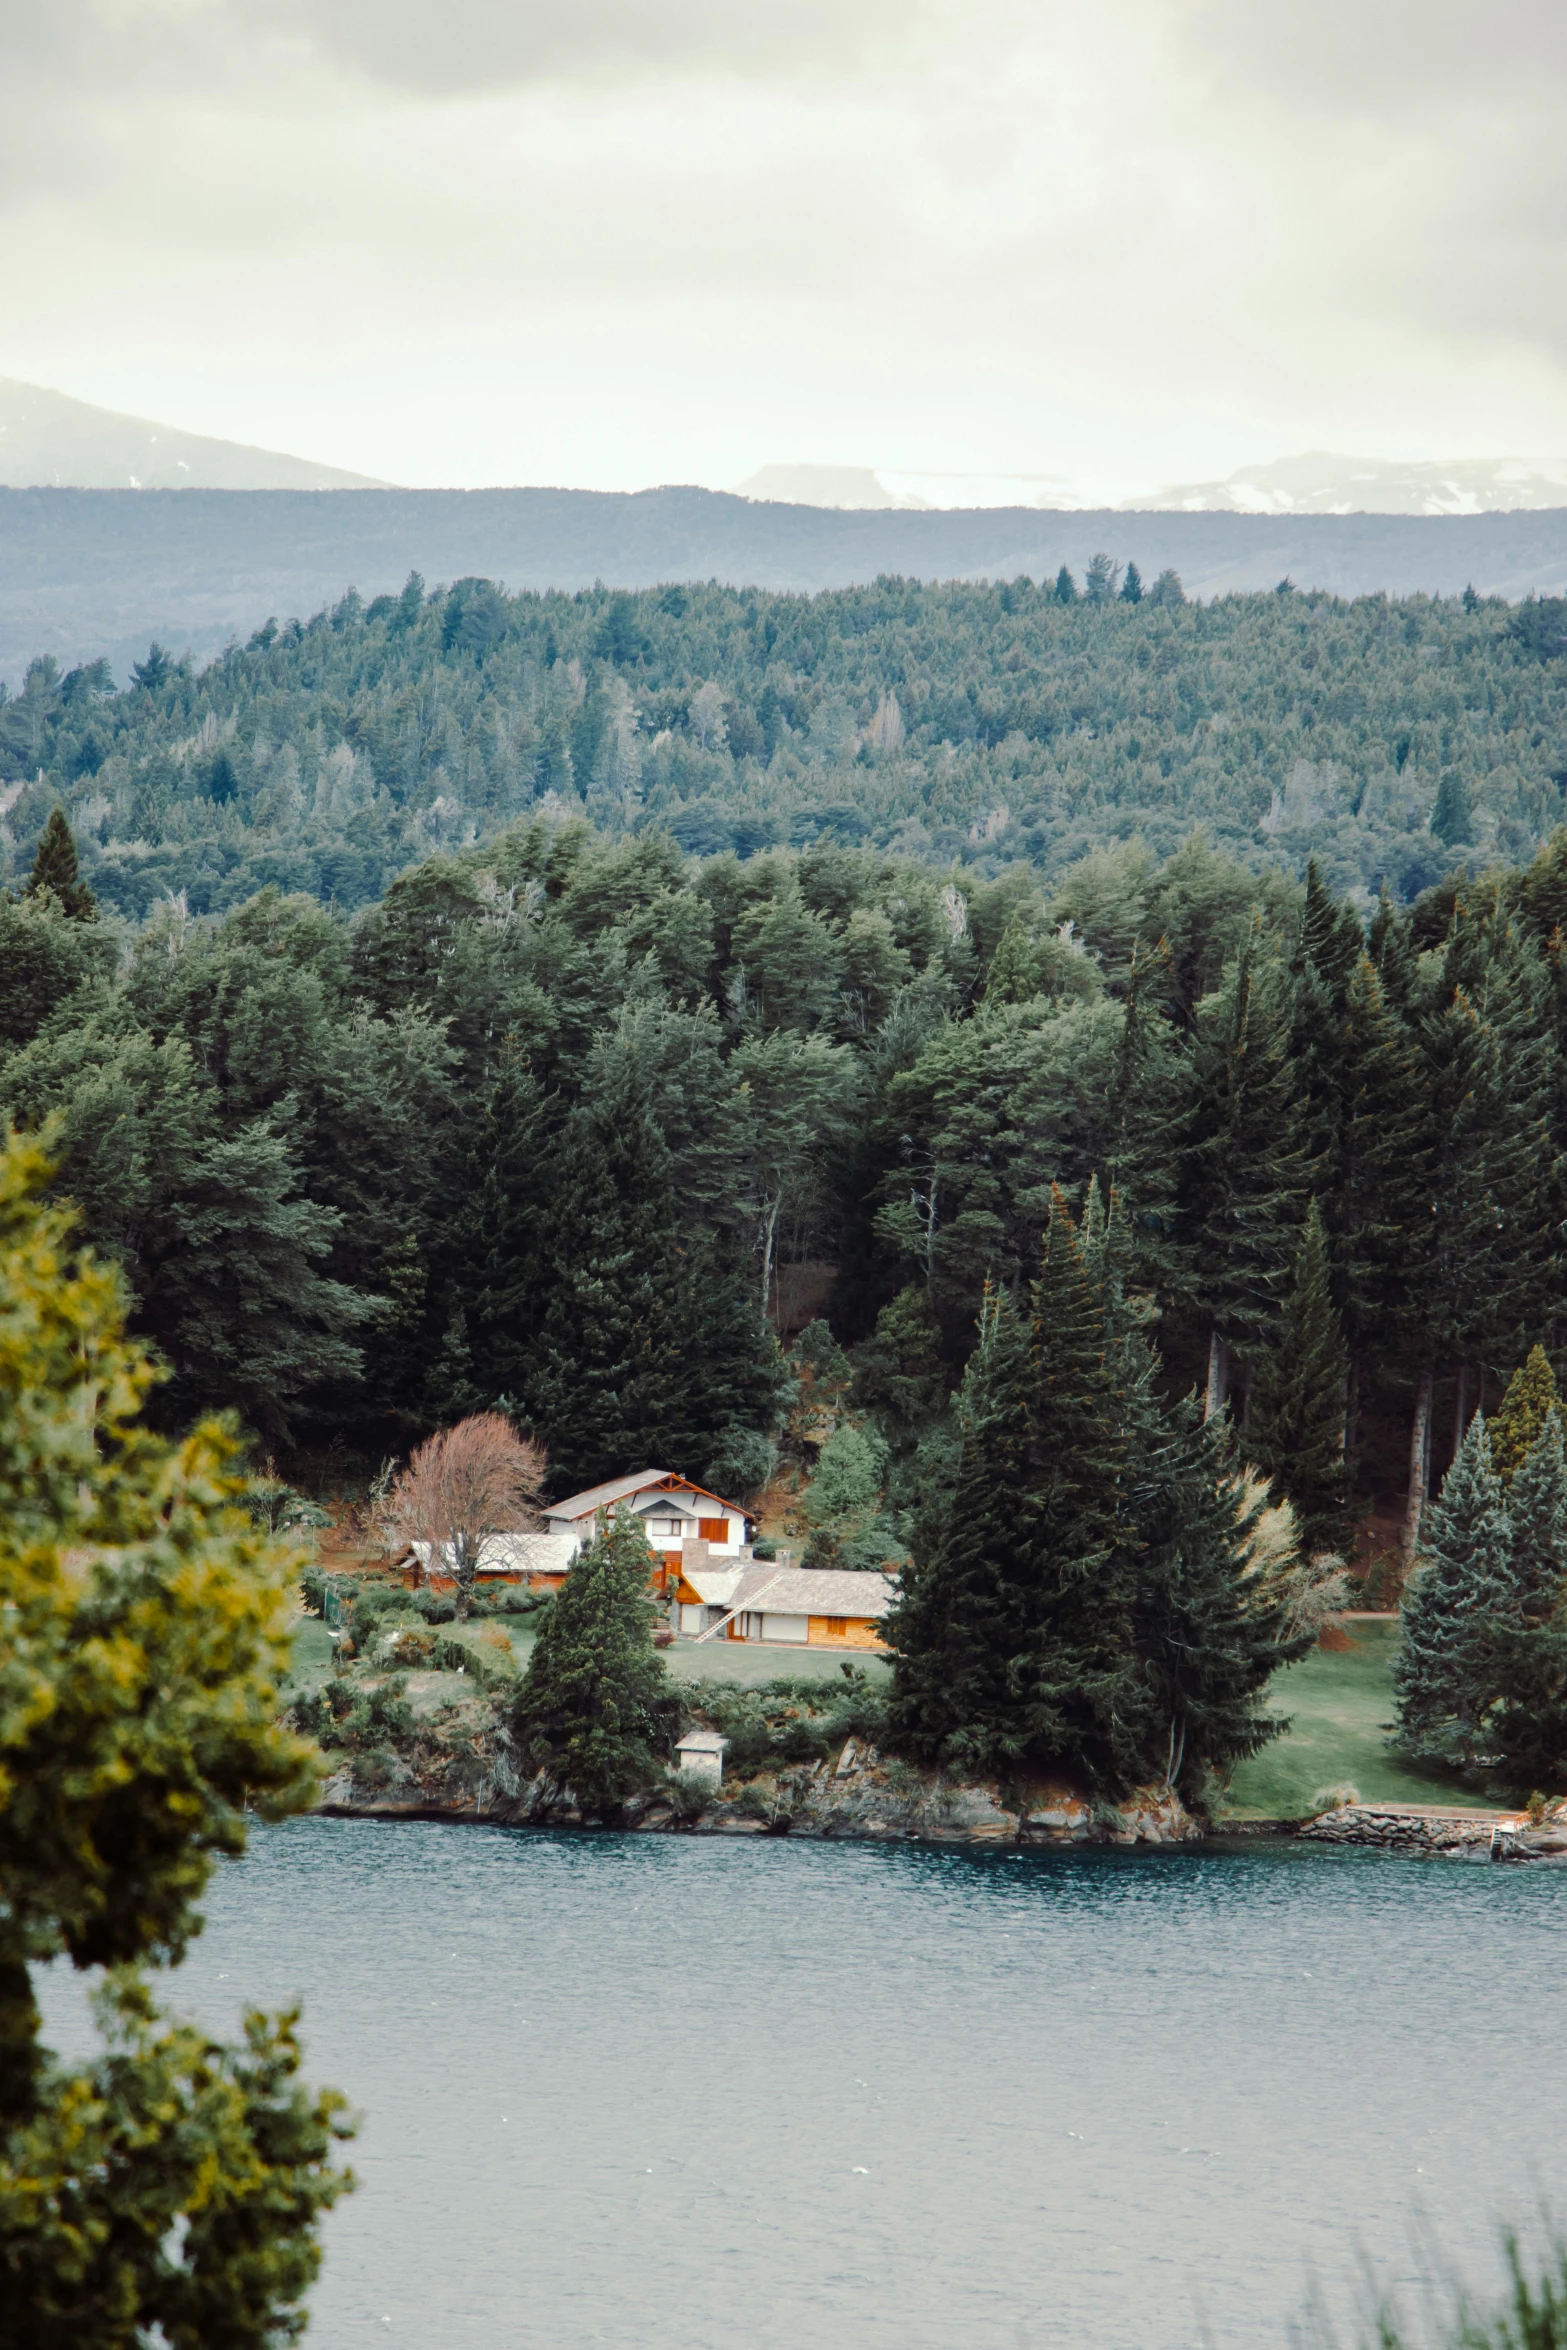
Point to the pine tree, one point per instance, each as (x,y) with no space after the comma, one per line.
(605,1372)
(960,1615)
(55,868)
(1209,1645)
(1208,1648)
(1132,585)
(1445,1671)
(1532,1396)
(1295,1413)
(1377,1179)
(1066,587)
(1537,1511)
(500,1240)
(595,1704)
(1246,1166)
(1014,1643)
(1451,819)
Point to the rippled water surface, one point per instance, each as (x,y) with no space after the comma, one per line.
(674,2093)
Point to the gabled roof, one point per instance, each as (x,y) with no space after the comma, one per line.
(604,1497)
(813,1591)
(714,1586)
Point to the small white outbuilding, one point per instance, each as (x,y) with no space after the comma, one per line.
(702,1752)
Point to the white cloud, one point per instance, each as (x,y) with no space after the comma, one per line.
(618,243)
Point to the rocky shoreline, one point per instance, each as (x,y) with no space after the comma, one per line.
(853,1794)
(856,1796)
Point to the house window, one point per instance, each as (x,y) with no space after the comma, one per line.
(837,1627)
(713,1529)
(666,1525)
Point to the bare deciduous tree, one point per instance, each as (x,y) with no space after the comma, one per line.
(460,1487)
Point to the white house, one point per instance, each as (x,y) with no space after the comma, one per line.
(673,1512)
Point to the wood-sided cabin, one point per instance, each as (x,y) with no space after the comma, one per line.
(785,1606)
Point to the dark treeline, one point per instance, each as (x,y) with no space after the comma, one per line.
(544,1127)
(991,722)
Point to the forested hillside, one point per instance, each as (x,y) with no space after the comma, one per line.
(987,724)
(540,1128)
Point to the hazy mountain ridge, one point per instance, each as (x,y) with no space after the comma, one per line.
(1314,483)
(49,440)
(89,573)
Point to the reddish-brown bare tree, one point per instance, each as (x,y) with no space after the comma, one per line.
(460,1487)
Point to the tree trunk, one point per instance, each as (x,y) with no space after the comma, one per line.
(769,1234)
(1419,1461)
(1218,1377)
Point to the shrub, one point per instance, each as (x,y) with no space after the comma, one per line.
(377,1769)
(690,1794)
(485,1664)
(410,1646)
(312,1591)
(755,1802)
(497,1637)
(803,1740)
(1335,1798)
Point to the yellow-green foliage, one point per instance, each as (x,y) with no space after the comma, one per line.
(143,1630)
(1531,1393)
(145,1621)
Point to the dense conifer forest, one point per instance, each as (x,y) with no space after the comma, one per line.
(987,723)
(560,1120)
(826,1024)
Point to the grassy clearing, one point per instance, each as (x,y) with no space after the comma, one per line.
(749,1663)
(1337,1702)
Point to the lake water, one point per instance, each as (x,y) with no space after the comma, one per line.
(688,2094)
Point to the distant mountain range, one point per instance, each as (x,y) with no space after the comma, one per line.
(90,572)
(46,438)
(1316,483)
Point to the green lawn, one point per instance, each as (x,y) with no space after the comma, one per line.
(748,1663)
(1337,1702)
(311,1662)
(744,1663)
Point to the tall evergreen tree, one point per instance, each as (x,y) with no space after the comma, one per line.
(1295,1413)
(1451,818)
(605,1385)
(1377,1182)
(1207,1646)
(55,868)
(645,1349)
(1014,1644)
(1247,1166)
(1532,1396)
(1537,1511)
(500,1236)
(1445,1673)
(595,1705)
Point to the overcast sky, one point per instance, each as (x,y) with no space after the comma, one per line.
(619,242)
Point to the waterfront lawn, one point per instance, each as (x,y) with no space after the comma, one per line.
(1337,1701)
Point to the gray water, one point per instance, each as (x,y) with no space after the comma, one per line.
(687,2094)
